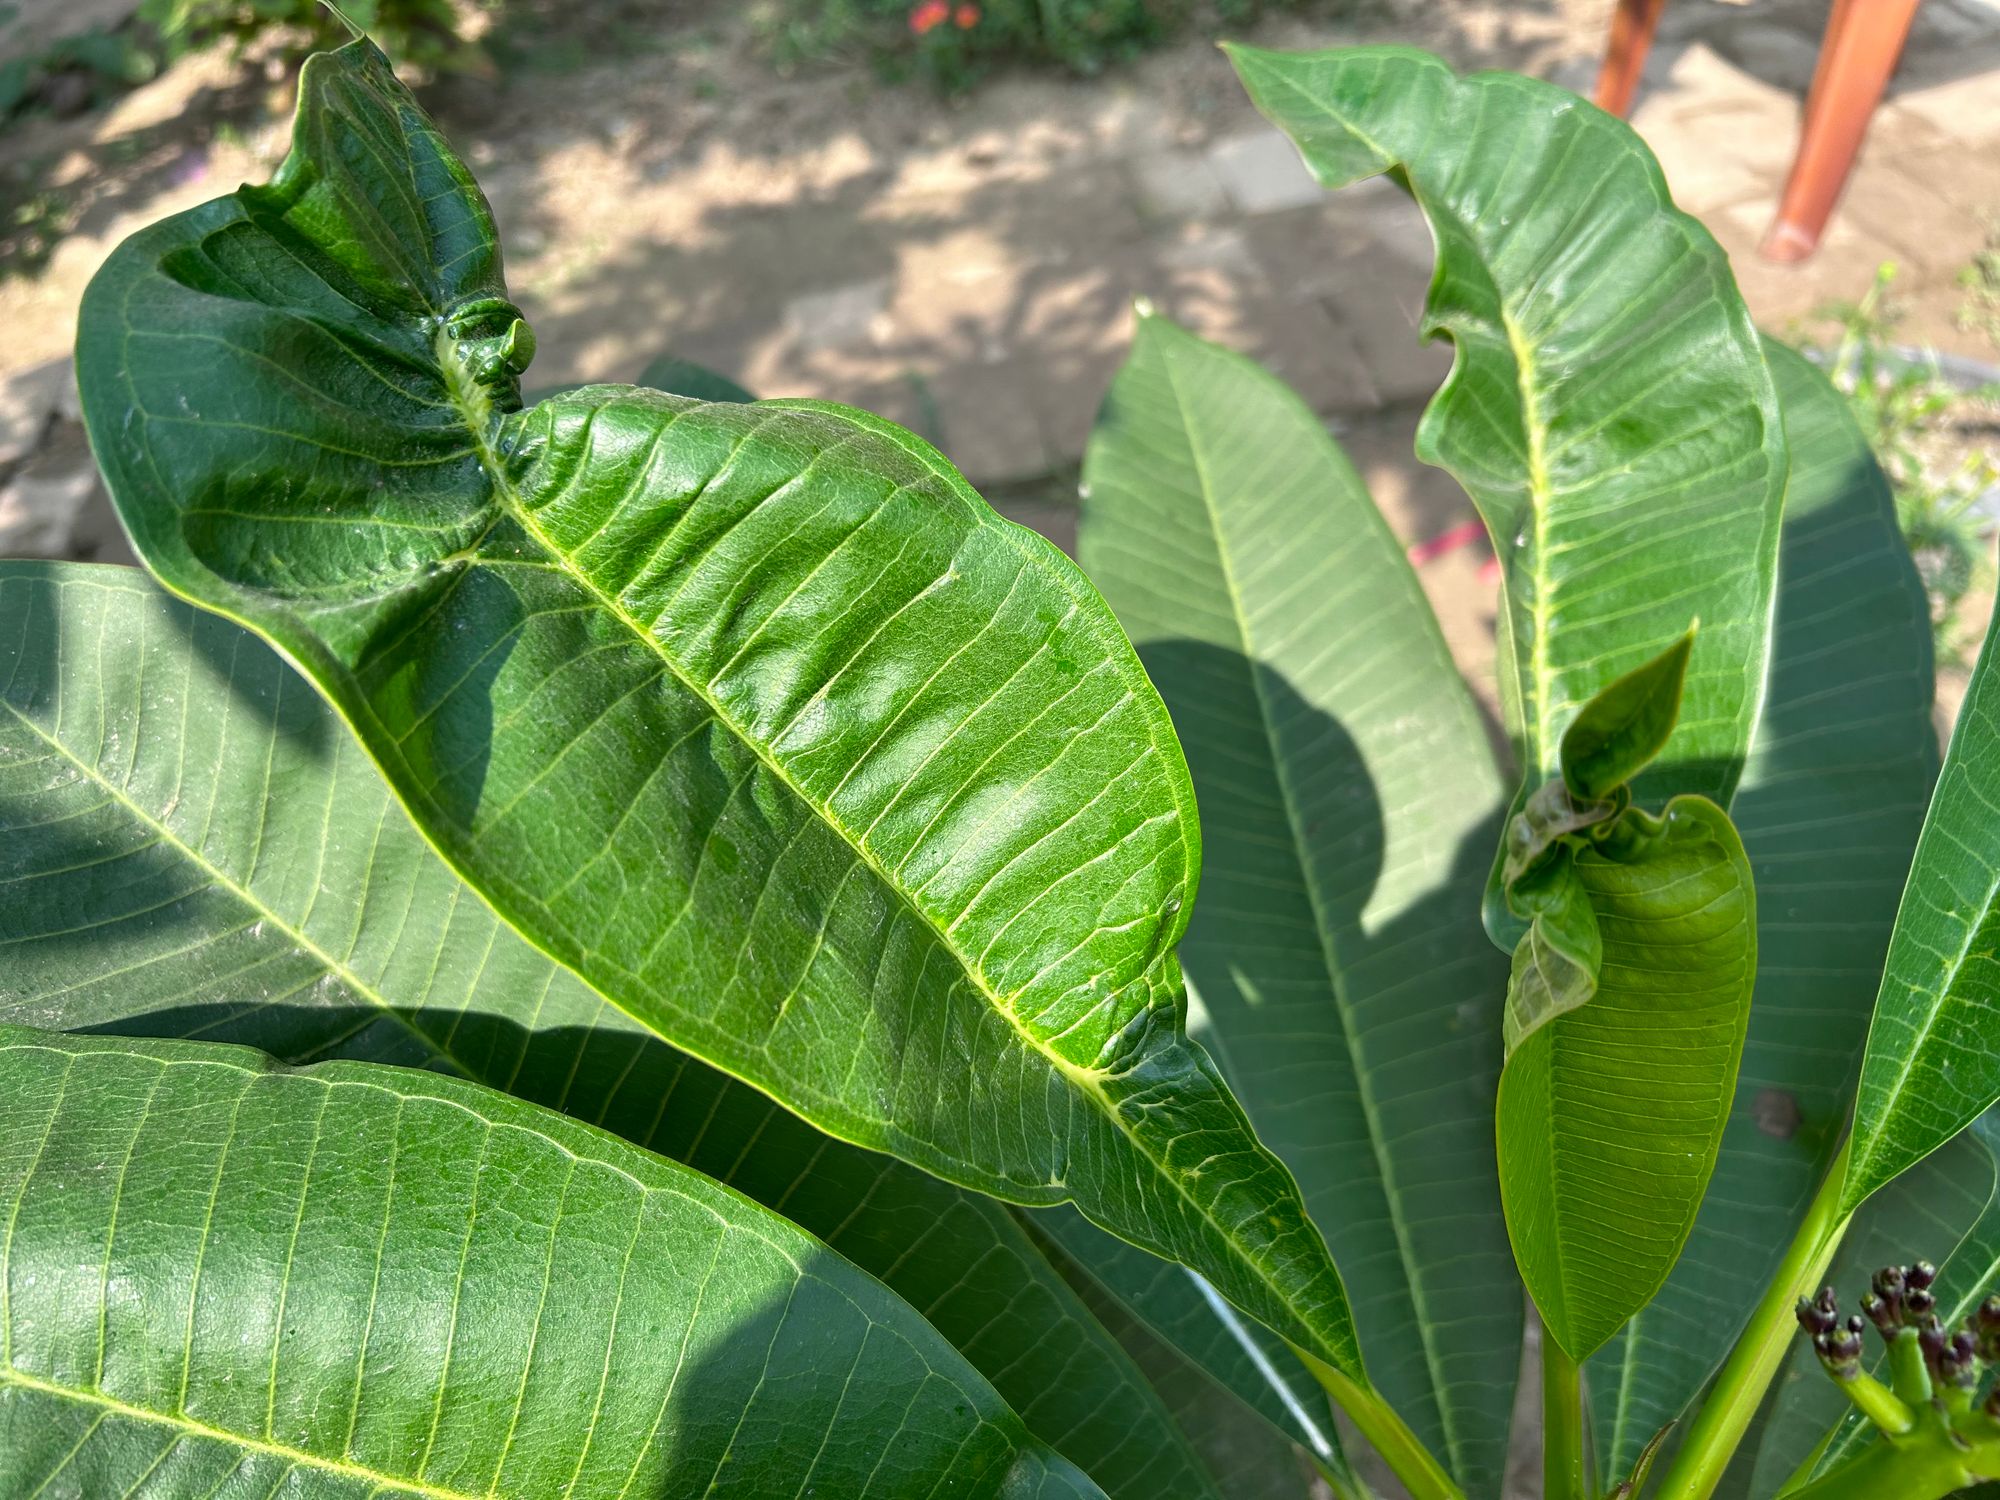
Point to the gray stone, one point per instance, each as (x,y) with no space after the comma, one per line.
(29,399)
(40,506)
(1178,185)
(839,318)
(1261,172)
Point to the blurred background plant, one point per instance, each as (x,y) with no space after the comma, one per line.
(1933,425)
(954,43)
(428,34)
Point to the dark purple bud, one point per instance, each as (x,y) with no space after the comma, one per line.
(1919,1276)
(1879,1313)
(1815,1319)
(1920,1304)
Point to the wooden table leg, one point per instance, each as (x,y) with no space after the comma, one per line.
(1864,39)
(1632,28)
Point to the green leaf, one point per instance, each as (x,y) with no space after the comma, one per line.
(1932,1063)
(755,716)
(1625,725)
(223,1276)
(1611,1114)
(681,377)
(190,845)
(1609,410)
(1343,981)
(1829,807)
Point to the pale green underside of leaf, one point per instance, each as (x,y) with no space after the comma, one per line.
(222,1278)
(1829,806)
(755,716)
(1610,1115)
(1932,1063)
(1349,803)
(1945,1210)
(191,845)
(1608,411)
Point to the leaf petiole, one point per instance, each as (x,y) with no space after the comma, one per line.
(1565,1475)
(1740,1385)
(1401,1449)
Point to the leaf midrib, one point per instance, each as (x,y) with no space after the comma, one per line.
(1364,1090)
(188,1426)
(1539,488)
(1088,1081)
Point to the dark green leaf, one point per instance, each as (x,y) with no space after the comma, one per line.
(1625,725)
(1244,1358)
(1343,981)
(191,845)
(1932,1063)
(680,377)
(1831,800)
(1610,1114)
(224,1277)
(1609,410)
(755,716)
(1248,1456)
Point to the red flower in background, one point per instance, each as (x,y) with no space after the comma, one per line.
(930,13)
(965,17)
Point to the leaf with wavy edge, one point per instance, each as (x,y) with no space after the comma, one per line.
(1609,410)
(755,716)
(149,752)
(1829,807)
(223,1277)
(1343,981)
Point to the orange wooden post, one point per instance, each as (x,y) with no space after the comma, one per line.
(1632,28)
(1864,38)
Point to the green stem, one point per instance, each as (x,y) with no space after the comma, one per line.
(1882,1470)
(1732,1401)
(1563,1473)
(1401,1449)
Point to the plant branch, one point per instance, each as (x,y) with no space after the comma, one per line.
(1401,1449)
(1732,1400)
(1564,1475)
(1882,1469)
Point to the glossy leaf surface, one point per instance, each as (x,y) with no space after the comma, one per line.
(1932,1063)
(756,716)
(1349,800)
(230,1279)
(1829,808)
(1611,1113)
(1609,411)
(191,845)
